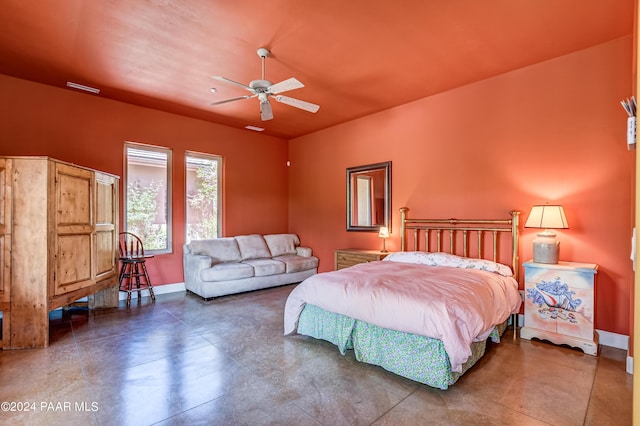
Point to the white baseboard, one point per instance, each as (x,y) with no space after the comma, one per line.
(619,341)
(160,289)
(614,340)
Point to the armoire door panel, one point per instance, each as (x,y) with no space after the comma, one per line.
(104,254)
(106,189)
(106,225)
(74,269)
(74,196)
(74,266)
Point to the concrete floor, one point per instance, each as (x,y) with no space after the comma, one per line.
(185,361)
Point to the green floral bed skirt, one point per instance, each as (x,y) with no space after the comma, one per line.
(418,358)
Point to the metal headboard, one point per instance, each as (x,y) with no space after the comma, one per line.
(443,228)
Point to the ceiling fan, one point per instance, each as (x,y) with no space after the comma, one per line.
(264,89)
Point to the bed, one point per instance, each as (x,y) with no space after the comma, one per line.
(424,313)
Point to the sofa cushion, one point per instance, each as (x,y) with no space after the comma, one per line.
(218,249)
(253,247)
(296,263)
(227,271)
(280,244)
(262,267)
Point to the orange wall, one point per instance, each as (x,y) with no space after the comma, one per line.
(552,132)
(87,130)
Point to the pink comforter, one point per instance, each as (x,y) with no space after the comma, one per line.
(456,306)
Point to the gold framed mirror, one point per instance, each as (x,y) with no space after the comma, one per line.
(369,197)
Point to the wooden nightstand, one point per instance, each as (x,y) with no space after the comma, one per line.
(349,257)
(559,304)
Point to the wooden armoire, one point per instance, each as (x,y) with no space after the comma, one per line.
(58,243)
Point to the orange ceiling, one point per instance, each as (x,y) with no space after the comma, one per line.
(354,57)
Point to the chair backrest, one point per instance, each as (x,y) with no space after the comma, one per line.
(130,245)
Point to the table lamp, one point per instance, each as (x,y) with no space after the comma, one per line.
(384,234)
(547,217)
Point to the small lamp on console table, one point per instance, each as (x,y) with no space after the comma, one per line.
(547,217)
(384,234)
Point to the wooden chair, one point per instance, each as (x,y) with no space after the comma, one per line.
(133,268)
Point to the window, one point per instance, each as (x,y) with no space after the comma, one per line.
(148,195)
(203,196)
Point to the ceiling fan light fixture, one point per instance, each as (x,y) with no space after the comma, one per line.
(265,110)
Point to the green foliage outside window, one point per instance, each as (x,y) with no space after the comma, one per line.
(204,203)
(142,210)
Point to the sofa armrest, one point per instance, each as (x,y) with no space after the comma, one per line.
(304,251)
(197,261)
(193,264)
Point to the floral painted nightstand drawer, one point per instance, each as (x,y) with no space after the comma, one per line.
(559,304)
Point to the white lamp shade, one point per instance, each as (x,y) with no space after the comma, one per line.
(384,232)
(545,246)
(547,217)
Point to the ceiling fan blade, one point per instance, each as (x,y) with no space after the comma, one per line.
(265,110)
(226,80)
(232,99)
(286,85)
(307,106)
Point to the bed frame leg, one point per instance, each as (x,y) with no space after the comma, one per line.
(514,324)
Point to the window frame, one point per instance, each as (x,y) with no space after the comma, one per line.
(220,186)
(169,190)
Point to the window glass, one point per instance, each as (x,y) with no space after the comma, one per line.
(148,195)
(203,196)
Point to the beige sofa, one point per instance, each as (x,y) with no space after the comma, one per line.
(223,266)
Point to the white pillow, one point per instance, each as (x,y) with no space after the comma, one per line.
(218,249)
(451,260)
(420,257)
(281,244)
(252,247)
